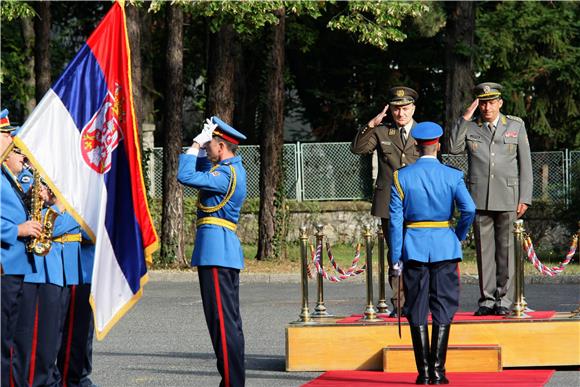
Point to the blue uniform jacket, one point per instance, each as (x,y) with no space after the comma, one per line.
(87,258)
(54,268)
(13,255)
(215,245)
(428,191)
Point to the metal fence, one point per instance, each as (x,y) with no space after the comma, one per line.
(330,171)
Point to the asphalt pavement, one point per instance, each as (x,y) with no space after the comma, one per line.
(163,340)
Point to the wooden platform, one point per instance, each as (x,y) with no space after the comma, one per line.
(327,345)
(460,358)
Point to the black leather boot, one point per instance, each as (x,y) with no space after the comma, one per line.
(420,337)
(439,341)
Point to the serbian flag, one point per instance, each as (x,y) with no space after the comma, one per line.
(82,137)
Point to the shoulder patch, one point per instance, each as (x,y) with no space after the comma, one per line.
(215,173)
(514,118)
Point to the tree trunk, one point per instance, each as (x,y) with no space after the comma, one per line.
(220,99)
(459,47)
(42,48)
(148,93)
(134,33)
(27,29)
(247,91)
(172,225)
(271,143)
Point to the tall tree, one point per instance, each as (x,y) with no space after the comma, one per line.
(27,28)
(272,140)
(133,16)
(42,48)
(172,247)
(221,71)
(459,39)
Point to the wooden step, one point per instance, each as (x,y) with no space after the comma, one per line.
(460,358)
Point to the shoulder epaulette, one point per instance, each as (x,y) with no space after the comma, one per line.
(514,118)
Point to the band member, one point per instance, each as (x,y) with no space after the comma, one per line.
(426,248)
(211,165)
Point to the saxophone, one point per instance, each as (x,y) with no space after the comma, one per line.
(41,245)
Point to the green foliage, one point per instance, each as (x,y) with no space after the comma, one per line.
(536,59)
(13,9)
(376,22)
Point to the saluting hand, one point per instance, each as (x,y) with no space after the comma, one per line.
(522,208)
(379,118)
(29,228)
(470,110)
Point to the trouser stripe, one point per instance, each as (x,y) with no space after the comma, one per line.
(222,327)
(71,323)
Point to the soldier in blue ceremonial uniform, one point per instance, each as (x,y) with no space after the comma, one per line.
(15,229)
(75,359)
(426,248)
(41,311)
(212,166)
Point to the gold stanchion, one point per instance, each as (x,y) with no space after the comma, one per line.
(370,314)
(320,309)
(382,306)
(518,309)
(304,313)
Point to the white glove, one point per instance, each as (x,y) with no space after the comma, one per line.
(206,133)
(396,270)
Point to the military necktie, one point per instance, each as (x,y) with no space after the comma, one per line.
(403,137)
(491,127)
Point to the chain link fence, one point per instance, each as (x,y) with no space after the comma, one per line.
(330,171)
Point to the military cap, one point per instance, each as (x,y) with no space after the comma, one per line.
(401,95)
(226,132)
(427,133)
(487,90)
(5,122)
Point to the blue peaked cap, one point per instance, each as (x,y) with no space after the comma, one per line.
(426,131)
(227,132)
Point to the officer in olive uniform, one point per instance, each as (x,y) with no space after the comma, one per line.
(217,252)
(15,229)
(395,148)
(500,182)
(423,242)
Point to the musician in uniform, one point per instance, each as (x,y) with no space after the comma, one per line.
(395,147)
(427,249)
(211,166)
(15,229)
(501,184)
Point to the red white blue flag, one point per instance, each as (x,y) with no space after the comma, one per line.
(83,138)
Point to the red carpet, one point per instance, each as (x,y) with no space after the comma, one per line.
(510,378)
(461,316)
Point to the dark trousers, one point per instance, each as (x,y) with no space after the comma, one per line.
(37,337)
(11,294)
(393,281)
(431,286)
(75,358)
(220,289)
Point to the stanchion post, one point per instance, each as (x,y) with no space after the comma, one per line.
(320,309)
(382,306)
(304,314)
(370,313)
(518,309)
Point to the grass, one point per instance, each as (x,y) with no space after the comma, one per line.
(344,254)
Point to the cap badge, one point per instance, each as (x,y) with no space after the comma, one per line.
(486,89)
(400,93)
